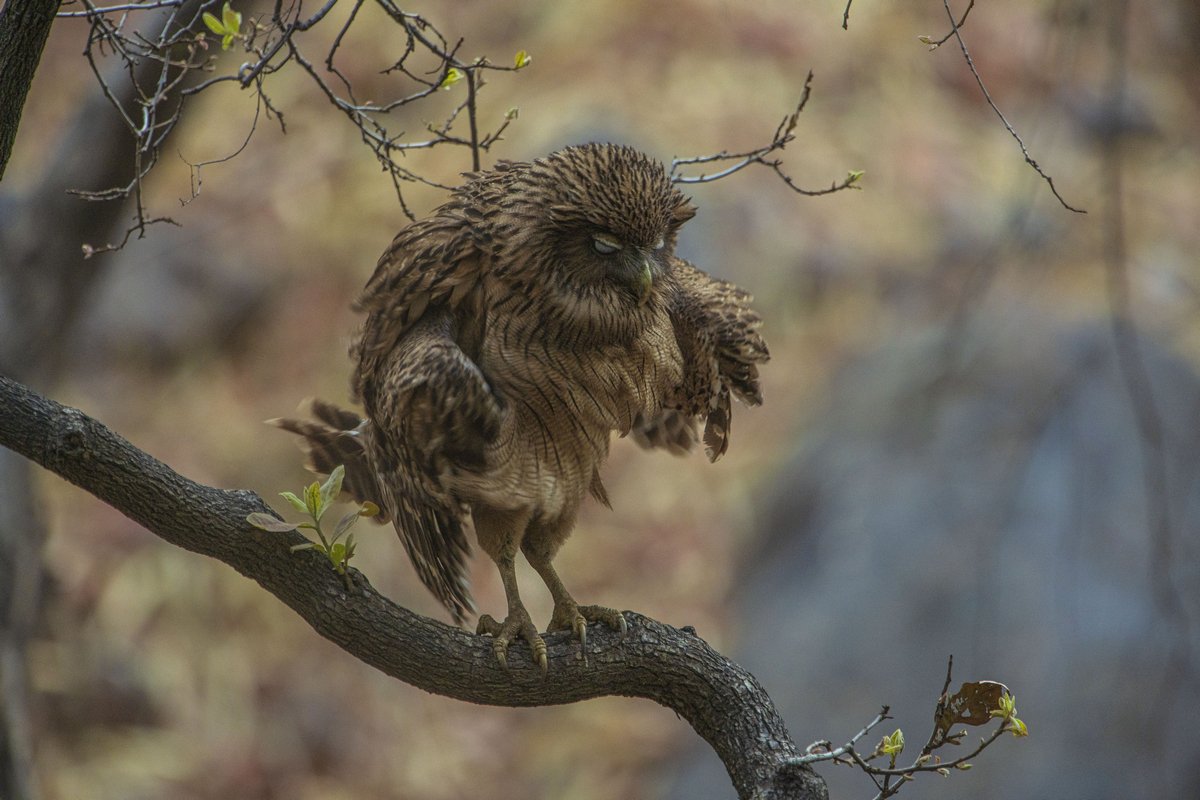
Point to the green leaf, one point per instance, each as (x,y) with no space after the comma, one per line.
(312,500)
(232,19)
(296,548)
(332,486)
(337,554)
(1006,707)
(368,509)
(893,745)
(213,23)
(227,41)
(267,522)
(453,76)
(296,502)
(344,525)
(522,59)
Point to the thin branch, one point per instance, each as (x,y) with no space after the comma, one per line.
(92,10)
(139,225)
(784,135)
(337,44)
(471,80)
(988,97)
(183,49)
(885,778)
(172,53)
(930,766)
(934,45)
(821,750)
(194,169)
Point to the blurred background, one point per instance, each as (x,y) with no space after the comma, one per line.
(980,433)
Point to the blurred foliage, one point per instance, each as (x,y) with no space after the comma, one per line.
(164,675)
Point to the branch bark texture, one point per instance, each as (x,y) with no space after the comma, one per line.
(672,667)
(24,28)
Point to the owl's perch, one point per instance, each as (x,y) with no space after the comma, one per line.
(721,701)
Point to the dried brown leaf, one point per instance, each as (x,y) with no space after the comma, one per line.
(971,705)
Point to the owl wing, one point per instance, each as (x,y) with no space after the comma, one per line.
(721,348)
(431,410)
(435,263)
(433,415)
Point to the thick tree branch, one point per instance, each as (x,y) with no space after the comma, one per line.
(674,668)
(24,28)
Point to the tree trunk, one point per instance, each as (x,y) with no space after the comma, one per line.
(24,28)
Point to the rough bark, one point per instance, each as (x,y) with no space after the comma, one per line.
(24,28)
(672,667)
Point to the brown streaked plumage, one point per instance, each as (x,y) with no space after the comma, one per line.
(507,336)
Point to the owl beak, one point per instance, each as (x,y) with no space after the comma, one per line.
(645,281)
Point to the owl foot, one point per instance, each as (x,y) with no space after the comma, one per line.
(516,624)
(570,616)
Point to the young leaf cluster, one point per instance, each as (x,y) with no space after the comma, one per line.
(976,703)
(316,500)
(227,27)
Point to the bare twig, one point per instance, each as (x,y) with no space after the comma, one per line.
(194,168)
(934,45)
(124,8)
(784,135)
(954,25)
(824,750)
(471,88)
(185,52)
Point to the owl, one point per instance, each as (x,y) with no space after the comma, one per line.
(506,337)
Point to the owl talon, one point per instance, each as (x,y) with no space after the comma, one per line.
(516,624)
(569,616)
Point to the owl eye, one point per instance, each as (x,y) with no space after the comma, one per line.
(605,245)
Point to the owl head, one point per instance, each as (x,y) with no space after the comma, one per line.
(604,220)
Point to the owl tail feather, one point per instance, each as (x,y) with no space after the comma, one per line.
(336,437)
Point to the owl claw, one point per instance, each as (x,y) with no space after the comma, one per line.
(517,623)
(569,616)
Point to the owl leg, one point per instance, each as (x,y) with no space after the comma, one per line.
(499,535)
(568,615)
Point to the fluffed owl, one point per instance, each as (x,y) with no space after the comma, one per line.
(507,336)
